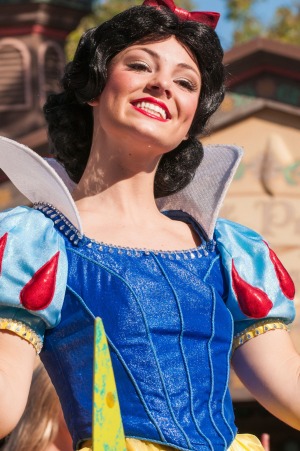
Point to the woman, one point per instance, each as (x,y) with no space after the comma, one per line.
(41,427)
(140,89)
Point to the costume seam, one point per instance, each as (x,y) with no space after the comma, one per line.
(212,368)
(133,380)
(79,298)
(58,362)
(211,267)
(183,354)
(123,363)
(120,357)
(160,372)
(145,323)
(233,433)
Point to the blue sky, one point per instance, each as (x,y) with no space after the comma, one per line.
(265,9)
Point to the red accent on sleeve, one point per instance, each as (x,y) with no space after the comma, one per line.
(38,293)
(253,301)
(285,281)
(3,241)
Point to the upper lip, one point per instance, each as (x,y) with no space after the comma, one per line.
(155,102)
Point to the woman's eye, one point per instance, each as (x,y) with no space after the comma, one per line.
(139,66)
(187,84)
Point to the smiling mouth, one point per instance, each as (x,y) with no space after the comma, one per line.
(152,110)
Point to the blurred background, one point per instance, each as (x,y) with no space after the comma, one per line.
(261,113)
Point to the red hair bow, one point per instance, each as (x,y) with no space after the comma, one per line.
(206,17)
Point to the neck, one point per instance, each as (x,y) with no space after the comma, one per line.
(119,182)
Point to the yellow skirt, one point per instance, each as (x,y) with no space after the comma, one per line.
(242,442)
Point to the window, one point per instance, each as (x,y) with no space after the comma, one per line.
(15,91)
(51,64)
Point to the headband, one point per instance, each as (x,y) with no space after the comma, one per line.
(205,17)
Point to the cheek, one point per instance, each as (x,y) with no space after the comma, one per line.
(190,109)
(120,83)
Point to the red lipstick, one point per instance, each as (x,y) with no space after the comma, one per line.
(154,101)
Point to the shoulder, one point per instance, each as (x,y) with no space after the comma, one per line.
(228,230)
(259,286)
(26,235)
(29,234)
(238,242)
(33,264)
(240,245)
(30,227)
(25,220)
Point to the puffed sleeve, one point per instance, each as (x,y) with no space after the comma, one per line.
(33,274)
(260,290)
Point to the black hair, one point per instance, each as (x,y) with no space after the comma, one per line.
(70,119)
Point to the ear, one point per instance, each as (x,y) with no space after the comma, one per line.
(94,102)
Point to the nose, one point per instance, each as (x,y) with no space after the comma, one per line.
(160,84)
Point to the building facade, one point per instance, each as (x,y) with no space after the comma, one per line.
(32,58)
(261,113)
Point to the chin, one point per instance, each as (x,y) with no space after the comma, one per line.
(157,138)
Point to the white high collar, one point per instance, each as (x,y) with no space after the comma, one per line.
(202,198)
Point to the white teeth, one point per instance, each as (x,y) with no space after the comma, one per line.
(152,108)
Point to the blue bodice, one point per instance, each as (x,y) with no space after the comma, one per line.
(169,333)
(169,318)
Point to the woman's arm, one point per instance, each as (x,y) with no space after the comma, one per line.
(34,271)
(17,359)
(269,366)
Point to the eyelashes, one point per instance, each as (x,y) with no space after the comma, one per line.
(188,84)
(141,66)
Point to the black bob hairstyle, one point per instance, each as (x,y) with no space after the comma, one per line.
(70,119)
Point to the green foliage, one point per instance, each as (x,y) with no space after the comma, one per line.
(105,11)
(247,26)
(238,10)
(285,25)
(249,29)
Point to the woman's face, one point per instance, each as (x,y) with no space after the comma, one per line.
(151,94)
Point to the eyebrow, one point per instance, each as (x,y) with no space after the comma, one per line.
(157,56)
